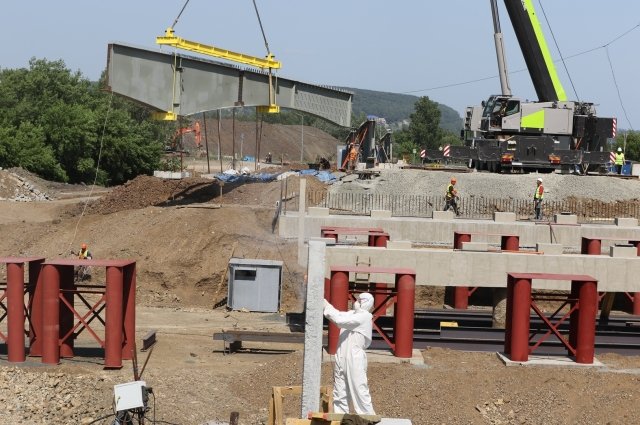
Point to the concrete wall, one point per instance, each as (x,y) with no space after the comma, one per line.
(439,267)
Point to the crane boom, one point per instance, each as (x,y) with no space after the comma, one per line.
(535,51)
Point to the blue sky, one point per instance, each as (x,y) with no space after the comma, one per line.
(421,47)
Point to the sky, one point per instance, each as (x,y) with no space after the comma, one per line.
(440,49)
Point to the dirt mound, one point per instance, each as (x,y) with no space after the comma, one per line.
(146,191)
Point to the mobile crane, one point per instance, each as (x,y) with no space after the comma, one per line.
(507,133)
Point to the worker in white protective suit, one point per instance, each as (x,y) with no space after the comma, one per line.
(350,368)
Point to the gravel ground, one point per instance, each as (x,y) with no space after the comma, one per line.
(488,185)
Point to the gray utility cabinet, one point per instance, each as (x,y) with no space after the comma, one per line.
(254,285)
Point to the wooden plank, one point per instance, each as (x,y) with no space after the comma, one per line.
(606,305)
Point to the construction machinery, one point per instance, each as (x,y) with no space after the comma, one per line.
(176,143)
(372,141)
(509,134)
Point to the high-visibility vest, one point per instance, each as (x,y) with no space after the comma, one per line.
(619,158)
(83,254)
(451,192)
(539,193)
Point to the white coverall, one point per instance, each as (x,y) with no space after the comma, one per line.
(350,368)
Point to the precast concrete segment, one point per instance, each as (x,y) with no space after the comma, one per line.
(440,232)
(200,85)
(439,267)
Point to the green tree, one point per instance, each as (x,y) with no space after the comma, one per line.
(632,149)
(425,124)
(58,124)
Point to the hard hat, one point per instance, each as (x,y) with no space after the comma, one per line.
(83,246)
(619,149)
(539,179)
(453,180)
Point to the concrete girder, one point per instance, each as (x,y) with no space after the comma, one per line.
(200,85)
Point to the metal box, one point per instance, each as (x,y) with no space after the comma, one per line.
(254,285)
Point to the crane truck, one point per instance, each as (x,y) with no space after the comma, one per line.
(506,133)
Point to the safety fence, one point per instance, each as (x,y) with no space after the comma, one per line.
(588,211)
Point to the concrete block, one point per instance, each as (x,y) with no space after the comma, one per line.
(399,245)
(504,217)
(626,222)
(380,214)
(443,215)
(318,212)
(549,248)
(327,241)
(624,251)
(475,246)
(565,219)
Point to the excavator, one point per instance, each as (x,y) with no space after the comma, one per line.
(507,134)
(176,140)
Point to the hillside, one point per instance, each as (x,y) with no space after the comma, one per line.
(396,108)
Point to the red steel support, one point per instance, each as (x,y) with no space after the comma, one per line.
(586,327)
(380,240)
(404,315)
(67,288)
(340,300)
(509,314)
(15,312)
(519,332)
(636,303)
(591,246)
(129,293)
(35,307)
(510,243)
(114,319)
(460,293)
(51,315)
(327,289)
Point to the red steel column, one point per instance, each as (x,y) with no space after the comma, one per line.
(510,243)
(15,312)
(520,320)
(327,289)
(404,315)
(588,308)
(67,318)
(460,293)
(573,318)
(591,246)
(509,315)
(380,240)
(113,332)
(129,290)
(340,300)
(50,315)
(35,308)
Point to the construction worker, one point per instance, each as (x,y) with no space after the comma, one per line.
(353,157)
(619,161)
(84,253)
(451,196)
(350,368)
(537,199)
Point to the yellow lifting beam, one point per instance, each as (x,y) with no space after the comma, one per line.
(170,39)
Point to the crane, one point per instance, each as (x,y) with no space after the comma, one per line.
(507,133)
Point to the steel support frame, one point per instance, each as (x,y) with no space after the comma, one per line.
(16,311)
(593,246)
(583,300)
(461,294)
(117,300)
(403,295)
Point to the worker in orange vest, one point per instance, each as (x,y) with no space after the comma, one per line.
(451,197)
(537,199)
(353,157)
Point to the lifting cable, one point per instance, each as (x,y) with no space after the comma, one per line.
(266,44)
(180,14)
(615,82)
(564,64)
